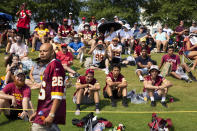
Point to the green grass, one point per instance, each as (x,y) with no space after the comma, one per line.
(184,94)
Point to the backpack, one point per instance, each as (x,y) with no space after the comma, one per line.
(159,124)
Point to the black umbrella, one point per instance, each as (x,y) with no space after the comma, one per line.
(107,26)
(5,16)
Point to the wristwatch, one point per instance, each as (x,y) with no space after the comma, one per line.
(52,115)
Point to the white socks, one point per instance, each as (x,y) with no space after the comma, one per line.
(152,98)
(163,98)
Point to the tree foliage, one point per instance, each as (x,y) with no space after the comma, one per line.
(124,9)
(170,11)
(43,9)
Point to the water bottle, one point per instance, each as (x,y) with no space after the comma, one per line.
(99,127)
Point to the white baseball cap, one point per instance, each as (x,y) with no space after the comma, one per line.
(154,67)
(127,26)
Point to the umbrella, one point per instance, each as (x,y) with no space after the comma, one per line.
(5,16)
(107,26)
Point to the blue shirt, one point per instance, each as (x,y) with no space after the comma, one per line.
(76,46)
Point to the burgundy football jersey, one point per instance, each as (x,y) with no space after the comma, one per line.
(52,88)
(110,75)
(87,35)
(65,31)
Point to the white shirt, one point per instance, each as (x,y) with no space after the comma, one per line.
(19,50)
(192,29)
(81,27)
(98,56)
(114,49)
(110,37)
(168,31)
(126,35)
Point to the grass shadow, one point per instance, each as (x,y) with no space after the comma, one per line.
(103,103)
(6,122)
(175,99)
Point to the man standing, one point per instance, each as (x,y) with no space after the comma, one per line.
(23,24)
(16,95)
(51,108)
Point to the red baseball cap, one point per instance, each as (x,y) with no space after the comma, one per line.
(65,19)
(89,71)
(64,45)
(83,18)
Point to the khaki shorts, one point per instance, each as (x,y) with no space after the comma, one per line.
(38,127)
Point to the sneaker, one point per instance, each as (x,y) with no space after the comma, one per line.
(97,111)
(106,71)
(32,50)
(192,77)
(77,112)
(188,80)
(164,104)
(141,78)
(113,104)
(124,103)
(153,103)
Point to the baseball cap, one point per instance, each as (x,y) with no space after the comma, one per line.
(93,17)
(141,27)
(143,39)
(64,45)
(154,67)
(41,23)
(83,18)
(76,36)
(89,71)
(102,18)
(70,13)
(135,23)
(115,39)
(127,26)
(115,17)
(193,22)
(65,20)
(86,24)
(17,72)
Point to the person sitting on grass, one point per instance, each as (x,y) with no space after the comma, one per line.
(138,48)
(12,63)
(87,91)
(77,48)
(36,75)
(156,86)
(114,51)
(99,57)
(66,59)
(16,95)
(116,86)
(175,62)
(144,63)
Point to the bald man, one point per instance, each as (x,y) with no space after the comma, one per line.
(51,108)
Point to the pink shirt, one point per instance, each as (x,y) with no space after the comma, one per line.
(19,94)
(64,58)
(174,59)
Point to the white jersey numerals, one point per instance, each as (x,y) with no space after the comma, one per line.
(57,81)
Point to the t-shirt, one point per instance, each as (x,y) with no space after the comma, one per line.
(110,77)
(138,50)
(174,59)
(82,80)
(23,20)
(93,27)
(76,46)
(158,81)
(168,31)
(143,61)
(111,36)
(87,35)
(52,88)
(116,53)
(179,29)
(41,32)
(126,35)
(19,50)
(19,94)
(64,58)
(192,29)
(98,56)
(139,35)
(81,27)
(64,30)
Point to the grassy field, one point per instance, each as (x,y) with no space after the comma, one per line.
(184,94)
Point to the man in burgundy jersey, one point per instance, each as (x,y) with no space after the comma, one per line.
(51,108)
(87,36)
(65,31)
(116,86)
(23,24)
(87,91)
(93,25)
(156,86)
(16,95)
(176,66)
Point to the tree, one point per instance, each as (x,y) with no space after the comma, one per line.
(43,9)
(124,9)
(170,11)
